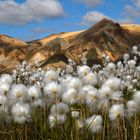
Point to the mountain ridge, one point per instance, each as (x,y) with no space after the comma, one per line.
(105,37)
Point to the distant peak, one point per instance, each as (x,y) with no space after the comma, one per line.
(105,20)
(104,23)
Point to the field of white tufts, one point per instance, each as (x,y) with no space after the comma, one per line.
(79,103)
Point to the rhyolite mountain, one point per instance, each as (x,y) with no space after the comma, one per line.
(105,37)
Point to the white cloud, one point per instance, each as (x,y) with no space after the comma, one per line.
(92,17)
(132,12)
(30,10)
(91,3)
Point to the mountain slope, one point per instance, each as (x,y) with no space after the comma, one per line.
(13,42)
(105,37)
(68,36)
(11,52)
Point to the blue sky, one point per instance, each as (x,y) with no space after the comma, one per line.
(34,19)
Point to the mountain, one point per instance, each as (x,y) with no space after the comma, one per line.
(11,52)
(11,42)
(105,37)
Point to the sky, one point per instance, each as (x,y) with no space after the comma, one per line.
(33,19)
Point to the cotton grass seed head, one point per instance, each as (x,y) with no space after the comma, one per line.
(94,123)
(83,70)
(53,89)
(56,120)
(75,114)
(59,109)
(18,92)
(50,76)
(116,111)
(92,97)
(34,92)
(21,113)
(137,97)
(132,107)
(6,78)
(105,92)
(70,96)
(74,83)
(4,89)
(113,82)
(90,79)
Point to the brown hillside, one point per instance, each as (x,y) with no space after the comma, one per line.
(11,51)
(9,41)
(105,37)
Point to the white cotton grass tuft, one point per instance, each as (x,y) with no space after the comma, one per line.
(92,97)
(83,92)
(59,109)
(18,92)
(117,96)
(132,107)
(53,89)
(74,83)
(94,123)
(90,79)
(6,78)
(50,76)
(56,120)
(83,70)
(131,63)
(65,80)
(34,93)
(75,114)
(105,92)
(137,97)
(70,96)
(113,82)
(120,65)
(134,49)
(58,114)
(126,56)
(21,113)
(52,121)
(116,111)
(4,89)
(87,88)
(111,67)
